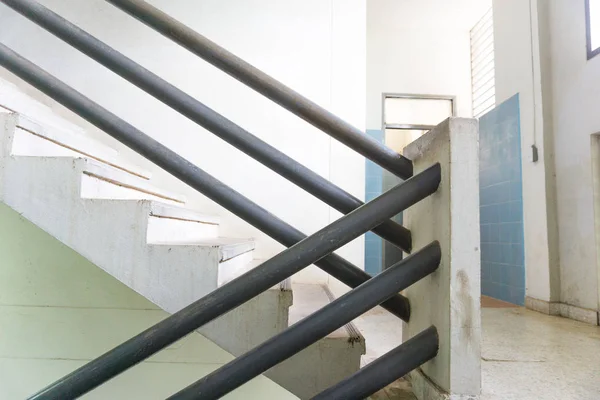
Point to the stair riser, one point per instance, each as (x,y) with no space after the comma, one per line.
(309,372)
(252,323)
(161,230)
(95,188)
(318,367)
(231,268)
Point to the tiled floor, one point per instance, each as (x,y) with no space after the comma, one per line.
(531,356)
(525,356)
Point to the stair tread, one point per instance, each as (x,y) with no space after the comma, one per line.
(99,170)
(16,100)
(308,298)
(78,142)
(163,210)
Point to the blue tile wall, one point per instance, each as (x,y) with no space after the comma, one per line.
(373,188)
(501,204)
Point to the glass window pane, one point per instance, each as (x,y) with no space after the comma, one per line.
(416,111)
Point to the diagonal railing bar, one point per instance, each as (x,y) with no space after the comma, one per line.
(302,251)
(247,286)
(204,116)
(267,86)
(187,172)
(386,369)
(314,327)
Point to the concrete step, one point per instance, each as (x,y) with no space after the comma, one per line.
(34,139)
(101,181)
(231,271)
(309,372)
(254,321)
(199,261)
(51,134)
(172,224)
(382,330)
(326,362)
(232,254)
(13,99)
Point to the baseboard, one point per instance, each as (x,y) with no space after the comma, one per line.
(542,306)
(564,310)
(424,389)
(579,314)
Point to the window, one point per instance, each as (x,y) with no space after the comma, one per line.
(483,84)
(592,15)
(407,111)
(408,116)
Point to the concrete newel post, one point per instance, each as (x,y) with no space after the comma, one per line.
(450,298)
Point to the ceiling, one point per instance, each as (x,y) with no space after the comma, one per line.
(433,14)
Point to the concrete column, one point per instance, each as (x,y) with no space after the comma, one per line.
(449,298)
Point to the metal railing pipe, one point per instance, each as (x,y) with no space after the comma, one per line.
(189,173)
(244,288)
(204,116)
(386,369)
(267,86)
(314,327)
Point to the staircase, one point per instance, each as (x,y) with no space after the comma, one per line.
(299,335)
(65,183)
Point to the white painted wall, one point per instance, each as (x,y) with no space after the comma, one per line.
(316,47)
(518,70)
(576,95)
(420,47)
(58,311)
(541,54)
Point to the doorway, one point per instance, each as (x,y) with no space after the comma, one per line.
(406,117)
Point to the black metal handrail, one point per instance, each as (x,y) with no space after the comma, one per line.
(187,172)
(266,85)
(302,251)
(386,369)
(236,292)
(314,327)
(204,116)
(256,281)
